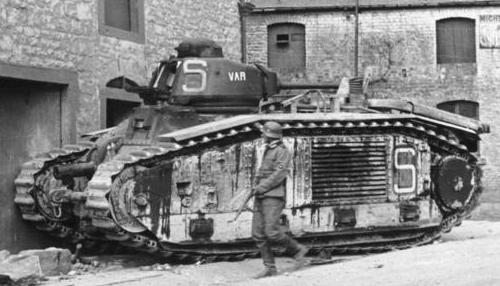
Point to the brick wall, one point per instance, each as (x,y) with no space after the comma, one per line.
(64,34)
(394,43)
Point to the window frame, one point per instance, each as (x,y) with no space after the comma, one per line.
(456,104)
(441,58)
(115,94)
(110,31)
(282,42)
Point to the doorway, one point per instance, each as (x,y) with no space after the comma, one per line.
(30,123)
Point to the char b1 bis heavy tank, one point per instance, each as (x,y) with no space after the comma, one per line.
(367,174)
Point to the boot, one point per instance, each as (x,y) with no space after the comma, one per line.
(300,256)
(268,271)
(297,249)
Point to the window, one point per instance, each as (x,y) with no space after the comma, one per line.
(116,105)
(286,47)
(123,19)
(282,39)
(118,110)
(462,107)
(456,41)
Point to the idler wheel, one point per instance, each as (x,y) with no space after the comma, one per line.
(455,182)
(44,184)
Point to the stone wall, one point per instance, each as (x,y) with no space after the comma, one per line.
(64,34)
(63,37)
(398,47)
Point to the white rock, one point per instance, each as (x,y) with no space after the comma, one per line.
(21,266)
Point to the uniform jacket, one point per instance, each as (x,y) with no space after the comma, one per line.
(271,176)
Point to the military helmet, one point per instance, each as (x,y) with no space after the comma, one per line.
(272,129)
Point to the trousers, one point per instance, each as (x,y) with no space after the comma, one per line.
(266,229)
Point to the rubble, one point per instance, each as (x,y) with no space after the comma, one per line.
(34,263)
(53,261)
(20,266)
(156,267)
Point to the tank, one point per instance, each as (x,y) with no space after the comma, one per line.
(368,175)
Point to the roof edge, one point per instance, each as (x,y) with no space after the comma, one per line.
(367,7)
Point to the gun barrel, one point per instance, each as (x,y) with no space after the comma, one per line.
(75,170)
(289,85)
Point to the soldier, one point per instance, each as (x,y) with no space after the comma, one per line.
(269,201)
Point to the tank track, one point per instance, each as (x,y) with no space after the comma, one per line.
(134,234)
(34,173)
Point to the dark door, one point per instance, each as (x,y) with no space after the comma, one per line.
(30,123)
(286,47)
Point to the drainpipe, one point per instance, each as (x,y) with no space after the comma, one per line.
(356,38)
(244,9)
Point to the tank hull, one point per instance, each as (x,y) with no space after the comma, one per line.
(359,182)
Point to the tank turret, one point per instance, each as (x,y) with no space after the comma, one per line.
(201,78)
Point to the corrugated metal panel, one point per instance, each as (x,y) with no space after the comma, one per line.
(352,169)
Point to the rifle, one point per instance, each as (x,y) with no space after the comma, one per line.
(243,206)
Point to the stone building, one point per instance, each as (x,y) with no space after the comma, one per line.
(442,53)
(55,59)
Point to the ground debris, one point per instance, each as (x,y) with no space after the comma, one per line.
(106,263)
(156,267)
(26,281)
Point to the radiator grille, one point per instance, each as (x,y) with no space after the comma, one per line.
(352,170)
